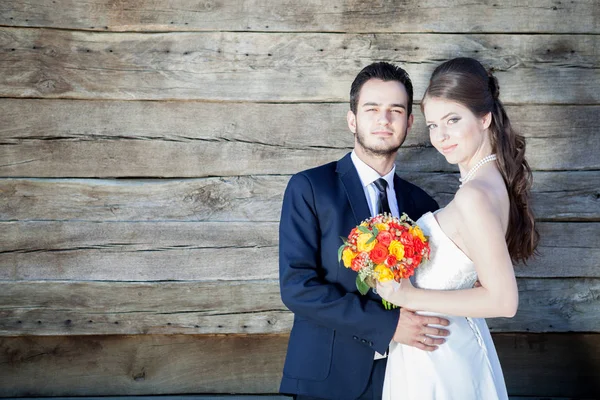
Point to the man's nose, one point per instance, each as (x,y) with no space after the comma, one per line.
(384,117)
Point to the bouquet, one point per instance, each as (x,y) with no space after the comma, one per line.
(383,248)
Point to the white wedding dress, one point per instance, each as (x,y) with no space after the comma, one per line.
(466,366)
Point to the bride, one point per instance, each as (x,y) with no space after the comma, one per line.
(485,228)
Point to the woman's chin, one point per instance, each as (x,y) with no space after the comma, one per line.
(450,159)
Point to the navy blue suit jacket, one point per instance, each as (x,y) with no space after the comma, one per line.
(336,330)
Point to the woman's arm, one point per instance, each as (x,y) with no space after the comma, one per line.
(483,236)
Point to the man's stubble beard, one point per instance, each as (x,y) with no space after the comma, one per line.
(378,152)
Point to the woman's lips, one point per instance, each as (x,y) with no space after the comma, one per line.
(448,149)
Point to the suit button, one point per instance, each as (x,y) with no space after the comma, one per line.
(371,344)
(363,340)
(355,337)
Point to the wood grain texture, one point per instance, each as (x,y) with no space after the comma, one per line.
(145,147)
(164,251)
(48,63)
(557,196)
(332,16)
(105,308)
(111,308)
(567,364)
(143,364)
(194,251)
(61,138)
(256,198)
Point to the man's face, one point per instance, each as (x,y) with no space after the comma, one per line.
(381,121)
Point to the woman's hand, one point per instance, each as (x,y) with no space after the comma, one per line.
(394,292)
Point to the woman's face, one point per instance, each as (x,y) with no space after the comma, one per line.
(456,132)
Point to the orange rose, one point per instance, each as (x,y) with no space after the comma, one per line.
(385,238)
(379,253)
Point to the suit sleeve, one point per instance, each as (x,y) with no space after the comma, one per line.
(430,205)
(423,202)
(303,287)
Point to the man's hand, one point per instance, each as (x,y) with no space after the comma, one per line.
(414,330)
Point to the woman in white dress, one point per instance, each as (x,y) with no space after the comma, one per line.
(486,227)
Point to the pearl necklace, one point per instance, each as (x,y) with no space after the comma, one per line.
(479,164)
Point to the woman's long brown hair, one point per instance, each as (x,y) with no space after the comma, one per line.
(466,81)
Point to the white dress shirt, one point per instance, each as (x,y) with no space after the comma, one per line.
(367,176)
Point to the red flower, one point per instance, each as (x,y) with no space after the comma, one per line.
(406,238)
(357,263)
(353,235)
(379,253)
(391,260)
(384,238)
(409,251)
(396,225)
(416,260)
(419,246)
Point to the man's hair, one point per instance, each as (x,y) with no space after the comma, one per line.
(386,72)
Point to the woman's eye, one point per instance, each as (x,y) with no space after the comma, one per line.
(453,120)
(431,126)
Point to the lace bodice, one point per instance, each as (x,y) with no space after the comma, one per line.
(448,268)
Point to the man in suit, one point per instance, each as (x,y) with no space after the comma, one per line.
(339,339)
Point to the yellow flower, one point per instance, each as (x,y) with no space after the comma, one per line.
(416,231)
(361,242)
(347,256)
(396,249)
(381,226)
(383,273)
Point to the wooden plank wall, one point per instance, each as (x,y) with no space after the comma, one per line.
(145,147)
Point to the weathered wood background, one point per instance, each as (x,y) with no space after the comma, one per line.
(145,146)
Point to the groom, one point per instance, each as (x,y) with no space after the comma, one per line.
(339,339)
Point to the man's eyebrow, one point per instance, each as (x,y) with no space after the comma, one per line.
(369,104)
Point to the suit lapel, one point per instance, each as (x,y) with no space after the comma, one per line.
(354,189)
(399,189)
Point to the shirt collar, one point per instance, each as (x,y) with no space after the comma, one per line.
(368,175)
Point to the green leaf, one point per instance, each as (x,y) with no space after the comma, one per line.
(370,240)
(361,285)
(340,251)
(363,229)
(375,231)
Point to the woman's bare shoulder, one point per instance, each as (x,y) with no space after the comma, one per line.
(474,197)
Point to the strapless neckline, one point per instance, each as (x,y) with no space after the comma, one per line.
(436,226)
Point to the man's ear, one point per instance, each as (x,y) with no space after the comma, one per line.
(409,122)
(351,118)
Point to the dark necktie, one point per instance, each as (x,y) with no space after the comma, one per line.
(384,205)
